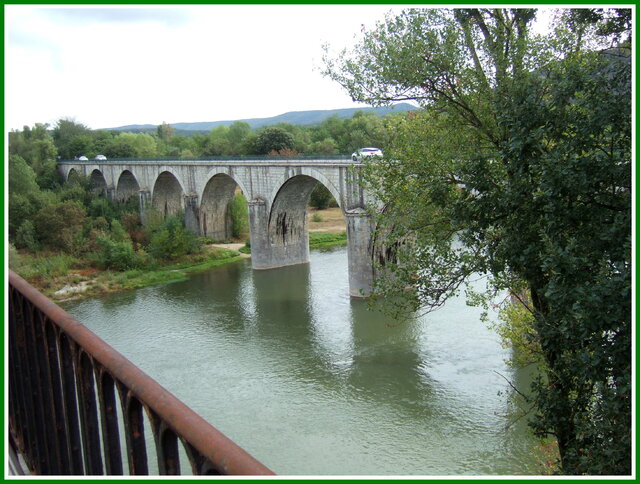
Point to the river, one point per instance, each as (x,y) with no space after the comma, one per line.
(311,382)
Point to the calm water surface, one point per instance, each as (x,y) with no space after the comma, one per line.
(311,382)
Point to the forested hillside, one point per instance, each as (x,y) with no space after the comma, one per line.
(301,118)
(69,139)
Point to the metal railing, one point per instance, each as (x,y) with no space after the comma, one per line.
(73,399)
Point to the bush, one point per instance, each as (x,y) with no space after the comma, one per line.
(173,241)
(26,237)
(117,255)
(516,328)
(15,259)
(59,224)
(102,207)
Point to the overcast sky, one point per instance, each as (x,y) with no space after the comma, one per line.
(112,66)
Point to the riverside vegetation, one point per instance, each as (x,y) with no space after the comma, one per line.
(69,242)
(521,161)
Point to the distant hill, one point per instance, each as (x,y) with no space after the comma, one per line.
(303,118)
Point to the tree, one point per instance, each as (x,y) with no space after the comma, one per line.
(82,145)
(64,132)
(521,163)
(165,131)
(217,142)
(273,139)
(237,136)
(22,179)
(59,225)
(131,145)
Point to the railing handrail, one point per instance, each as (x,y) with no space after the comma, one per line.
(226,456)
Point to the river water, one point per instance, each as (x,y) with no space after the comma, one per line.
(311,382)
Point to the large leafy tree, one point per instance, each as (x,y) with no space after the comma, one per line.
(273,139)
(64,133)
(519,167)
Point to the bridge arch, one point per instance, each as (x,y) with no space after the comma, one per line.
(98,182)
(216,196)
(71,174)
(287,218)
(319,177)
(127,186)
(168,194)
(222,171)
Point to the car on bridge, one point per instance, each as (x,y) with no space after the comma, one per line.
(100,158)
(365,152)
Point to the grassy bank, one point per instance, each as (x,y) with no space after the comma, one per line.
(61,277)
(321,240)
(317,240)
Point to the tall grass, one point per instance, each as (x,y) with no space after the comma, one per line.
(44,266)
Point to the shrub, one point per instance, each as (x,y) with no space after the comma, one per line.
(101,207)
(117,255)
(26,237)
(173,241)
(58,224)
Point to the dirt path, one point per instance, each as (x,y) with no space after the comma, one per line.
(328,220)
(233,246)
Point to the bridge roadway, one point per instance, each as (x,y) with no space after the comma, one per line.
(277,192)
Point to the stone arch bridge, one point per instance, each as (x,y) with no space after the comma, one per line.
(277,192)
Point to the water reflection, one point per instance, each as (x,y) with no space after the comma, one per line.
(312,382)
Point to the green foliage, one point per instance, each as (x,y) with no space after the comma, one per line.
(165,131)
(273,139)
(521,167)
(22,179)
(101,207)
(321,198)
(326,239)
(65,133)
(131,145)
(517,330)
(43,266)
(79,189)
(173,240)
(26,237)
(116,254)
(238,213)
(58,225)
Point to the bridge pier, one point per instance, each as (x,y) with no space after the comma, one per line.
(144,198)
(261,257)
(359,250)
(191,218)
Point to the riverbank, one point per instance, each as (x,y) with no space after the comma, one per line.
(61,278)
(61,284)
